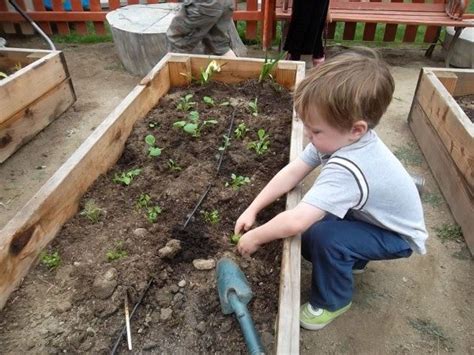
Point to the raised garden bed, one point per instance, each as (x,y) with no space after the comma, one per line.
(175,192)
(35,88)
(445,134)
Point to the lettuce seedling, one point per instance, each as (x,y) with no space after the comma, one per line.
(153,150)
(241,131)
(117,253)
(185,104)
(126,178)
(91,211)
(173,166)
(143,200)
(211,217)
(253,107)
(260,146)
(50,260)
(208,101)
(225,143)
(236,181)
(153,212)
(193,124)
(234,238)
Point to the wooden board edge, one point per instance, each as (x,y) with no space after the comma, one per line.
(26,50)
(24,125)
(450,181)
(465,84)
(37,223)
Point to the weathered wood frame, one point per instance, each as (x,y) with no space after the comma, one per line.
(37,223)
(446,136)
(32,97)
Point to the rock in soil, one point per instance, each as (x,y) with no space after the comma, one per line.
(202,264)
(104,284)
(170,250)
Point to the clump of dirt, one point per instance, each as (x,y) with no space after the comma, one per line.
(81,303)
(467,104)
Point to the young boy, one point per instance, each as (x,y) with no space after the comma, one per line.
(363,206)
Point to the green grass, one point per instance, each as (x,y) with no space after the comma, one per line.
(89,38)
(409,155)
(432,199)
(449,232)
(434,332)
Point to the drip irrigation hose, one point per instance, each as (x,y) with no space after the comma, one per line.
(217,173)
(35,26)
(124,328)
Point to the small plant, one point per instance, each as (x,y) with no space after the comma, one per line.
(126,178)
(153,150)
(173,166)
(3,75)
(50,260)
(225,143)
(206,75)
(449,231)
(234,238)
(193,125)
(152,213)
(253,107)
(117,253)
(268,66)
(211,217)
(153,124)
(209,101)
(91,211)
(185,104)
(143,200)
(236,181)
(241,131)
(260,146)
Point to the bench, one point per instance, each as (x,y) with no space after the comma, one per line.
(413,14)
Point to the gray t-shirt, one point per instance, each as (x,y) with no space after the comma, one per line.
(367,180)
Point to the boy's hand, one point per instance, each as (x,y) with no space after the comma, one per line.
(247,245)
(245,222)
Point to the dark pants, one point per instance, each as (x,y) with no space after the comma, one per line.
(308,19)
(335,247)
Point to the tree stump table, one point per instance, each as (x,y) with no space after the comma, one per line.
(139,33)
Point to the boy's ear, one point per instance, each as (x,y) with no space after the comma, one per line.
(359,128)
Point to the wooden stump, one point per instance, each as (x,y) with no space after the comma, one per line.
(139,33)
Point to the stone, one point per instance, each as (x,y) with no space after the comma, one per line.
(203,264)
(171,248)
(178,298)
(63,306)
(104,284)
(201,327)
(140,232)
(174,288)
(166,313)
(182,283)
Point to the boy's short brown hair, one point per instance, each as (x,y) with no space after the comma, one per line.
(351,86)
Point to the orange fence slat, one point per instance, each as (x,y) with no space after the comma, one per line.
(369,31)
(98,26)
(251,29)
(63,28)
(114,4)
(45,26)
(349,31)
(410,33)
(331,30)
(80,27)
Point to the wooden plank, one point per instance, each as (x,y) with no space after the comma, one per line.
(80,27)
(410,33)
(24,125)
(285,74)
(180,71)
(114,4)
(454,128)
(268,23)
(38,5)
(98,25)
(251,29)
(63,28)
(391,29)
(26,85)
(369,31)
(25,27)
(349,30)
(36,224)
(448,79)
(6,26)
(386,6)
(288,322)
(450,181)
(465,84)
(331,30)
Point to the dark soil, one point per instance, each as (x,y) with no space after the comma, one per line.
(172,318)
(467,104)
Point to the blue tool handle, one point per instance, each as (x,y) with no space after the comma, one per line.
(254,345)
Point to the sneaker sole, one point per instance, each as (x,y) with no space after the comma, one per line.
(309,326)
(358,271)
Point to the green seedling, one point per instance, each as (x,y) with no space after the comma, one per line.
(225,103)
(211,217)
(268,66)
(253,107)
(117,253)
(260,146)
(143,200)
(449,231)
(91,211)
(237,181)
(153,212)
(206,74)
(225,143)
(185,104)
(193,125)
(234,238)
(126,178)
(153,150)
(153,124)
(241,131)
(50,260)
(209,101)
(173,166)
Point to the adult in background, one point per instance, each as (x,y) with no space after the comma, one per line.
(308,20)
(205,21)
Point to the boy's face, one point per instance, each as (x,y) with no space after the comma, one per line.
(324,137)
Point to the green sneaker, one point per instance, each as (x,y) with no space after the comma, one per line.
(315,319)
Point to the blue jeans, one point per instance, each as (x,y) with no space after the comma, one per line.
(335,247)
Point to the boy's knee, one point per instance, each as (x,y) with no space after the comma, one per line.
(319,236)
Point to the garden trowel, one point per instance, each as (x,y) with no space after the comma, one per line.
(234,294)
